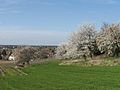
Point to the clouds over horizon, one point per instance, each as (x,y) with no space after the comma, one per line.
(33,37)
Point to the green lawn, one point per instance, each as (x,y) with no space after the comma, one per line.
(51,76)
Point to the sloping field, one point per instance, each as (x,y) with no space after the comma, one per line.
(51,76)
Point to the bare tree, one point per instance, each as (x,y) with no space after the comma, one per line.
(25,55)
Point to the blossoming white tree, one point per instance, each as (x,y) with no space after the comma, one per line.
(108,39)
(61,51)
(79,42)
(86,42)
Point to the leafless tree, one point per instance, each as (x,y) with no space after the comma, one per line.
(25,55)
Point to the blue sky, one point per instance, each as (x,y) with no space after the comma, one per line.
(50,22)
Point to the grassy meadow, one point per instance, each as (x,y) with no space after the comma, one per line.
(51,76)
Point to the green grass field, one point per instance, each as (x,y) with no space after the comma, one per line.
(51,76)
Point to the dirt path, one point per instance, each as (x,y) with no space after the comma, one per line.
(7,62)
(42,61)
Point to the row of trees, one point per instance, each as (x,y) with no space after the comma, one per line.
(88,41)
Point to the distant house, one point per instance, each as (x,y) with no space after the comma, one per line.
(11,57)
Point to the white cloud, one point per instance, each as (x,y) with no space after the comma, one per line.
(101,1)
(112,2)
(104,2)
(47,3)
(10,6)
